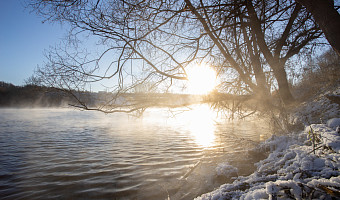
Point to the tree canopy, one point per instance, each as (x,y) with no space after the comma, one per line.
(247,42)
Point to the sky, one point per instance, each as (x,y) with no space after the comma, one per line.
(23,39)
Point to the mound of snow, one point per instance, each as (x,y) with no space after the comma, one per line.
(224,169)
(333,123)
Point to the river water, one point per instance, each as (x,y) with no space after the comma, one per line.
(71,154)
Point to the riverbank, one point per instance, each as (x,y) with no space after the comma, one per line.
(300,165)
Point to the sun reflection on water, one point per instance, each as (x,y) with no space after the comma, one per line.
(197,120)
(201,124)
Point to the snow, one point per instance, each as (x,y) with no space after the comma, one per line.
(318,109)
(333,123)
(291,171)
(302,165)
(224,169)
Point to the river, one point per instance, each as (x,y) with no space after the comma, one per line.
(72,154)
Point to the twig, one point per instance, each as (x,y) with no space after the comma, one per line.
(190,171)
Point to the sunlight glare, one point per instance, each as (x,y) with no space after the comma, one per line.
(202,125)
(201,79)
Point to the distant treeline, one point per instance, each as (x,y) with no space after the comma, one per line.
(41,96)
(31,96)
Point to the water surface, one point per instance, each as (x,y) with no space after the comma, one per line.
(71,154)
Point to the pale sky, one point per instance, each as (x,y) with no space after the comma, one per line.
(23,39)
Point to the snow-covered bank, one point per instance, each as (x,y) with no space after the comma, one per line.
(303,165)
(291,170)
(319,108)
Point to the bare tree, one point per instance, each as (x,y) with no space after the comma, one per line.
(248,42)
(328,18)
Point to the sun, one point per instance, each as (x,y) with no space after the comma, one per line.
(201,79)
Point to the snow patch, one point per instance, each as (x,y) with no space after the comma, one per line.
(317,110)
(333,123)
(224,169)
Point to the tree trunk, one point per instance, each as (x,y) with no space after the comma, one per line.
(327,18)
(281,77)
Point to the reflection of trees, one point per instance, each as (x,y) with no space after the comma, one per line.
(247,42)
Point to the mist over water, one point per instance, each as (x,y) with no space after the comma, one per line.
(70,154)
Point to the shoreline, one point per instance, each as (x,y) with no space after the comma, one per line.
(300,165)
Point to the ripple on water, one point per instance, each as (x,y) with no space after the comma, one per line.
(58,154)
